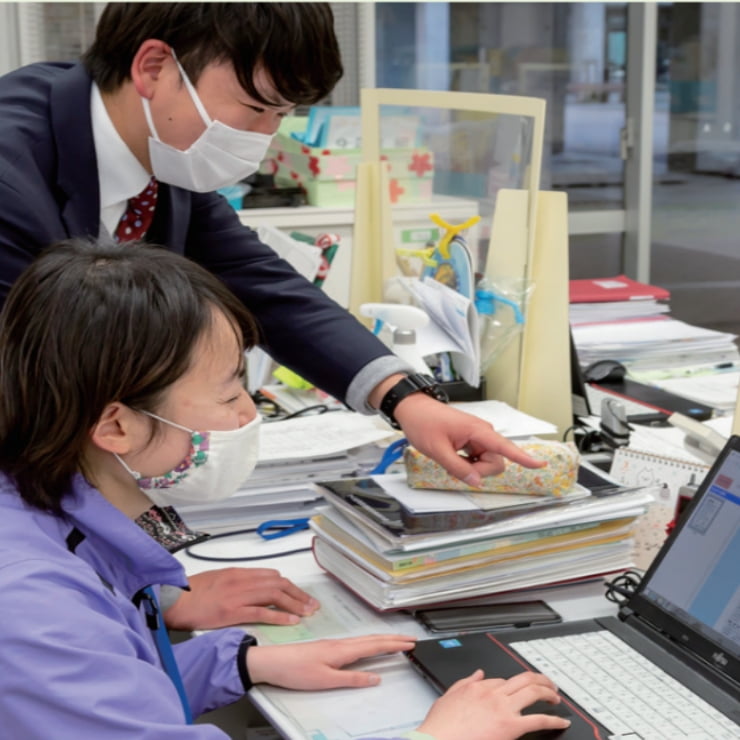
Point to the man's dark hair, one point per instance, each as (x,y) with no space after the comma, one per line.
(87,325)
(294,42)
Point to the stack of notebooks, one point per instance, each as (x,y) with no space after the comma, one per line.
(380,539)
(621,319)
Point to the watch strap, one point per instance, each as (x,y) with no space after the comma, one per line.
(415,383)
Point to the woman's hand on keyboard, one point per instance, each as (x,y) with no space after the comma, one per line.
(475,708)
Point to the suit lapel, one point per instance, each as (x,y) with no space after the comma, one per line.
(176,218)
(77,176)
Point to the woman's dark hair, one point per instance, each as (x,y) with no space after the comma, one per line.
(86,325)
(294,42)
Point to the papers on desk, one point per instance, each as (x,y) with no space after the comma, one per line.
(653,344)
(398,704)
(319,435)
(574,562)
(294,453)
(588,313)
(717,389)
(506,420)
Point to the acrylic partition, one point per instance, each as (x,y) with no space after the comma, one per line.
(470,154)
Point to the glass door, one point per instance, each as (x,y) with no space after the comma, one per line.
(696,199)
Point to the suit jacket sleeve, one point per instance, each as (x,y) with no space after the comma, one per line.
(301,326)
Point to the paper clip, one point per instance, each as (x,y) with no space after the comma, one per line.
(274,528)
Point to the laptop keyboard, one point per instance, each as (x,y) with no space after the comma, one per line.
(623,690)
(631,408)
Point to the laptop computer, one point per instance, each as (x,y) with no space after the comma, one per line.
(667,667)
(643,402)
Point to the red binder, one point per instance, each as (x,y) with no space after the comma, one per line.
(619,288)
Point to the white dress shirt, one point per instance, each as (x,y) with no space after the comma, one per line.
(120,174)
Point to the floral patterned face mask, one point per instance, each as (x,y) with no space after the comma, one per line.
(216,465)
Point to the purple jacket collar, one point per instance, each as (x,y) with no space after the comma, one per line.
(117,548)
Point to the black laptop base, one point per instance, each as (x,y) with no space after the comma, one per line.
(491,652)
(504,664)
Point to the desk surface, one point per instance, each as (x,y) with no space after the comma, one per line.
(402,699)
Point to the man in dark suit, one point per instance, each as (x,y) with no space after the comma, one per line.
(173,101)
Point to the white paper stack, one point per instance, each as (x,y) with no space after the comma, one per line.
(589,313)
(653,344)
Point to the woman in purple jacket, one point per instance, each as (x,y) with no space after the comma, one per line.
(113,362)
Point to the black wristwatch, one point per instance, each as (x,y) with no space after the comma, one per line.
(415,383)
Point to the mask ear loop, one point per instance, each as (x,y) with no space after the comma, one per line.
(191,90)
(171,423)
(133,473)
(193,96)
(148,115)
(130,471)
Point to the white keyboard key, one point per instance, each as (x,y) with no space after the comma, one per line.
(623,690)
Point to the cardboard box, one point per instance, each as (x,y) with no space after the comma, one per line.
(328,175)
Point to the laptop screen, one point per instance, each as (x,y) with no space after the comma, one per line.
(695,581)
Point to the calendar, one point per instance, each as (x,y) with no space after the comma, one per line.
(635,468)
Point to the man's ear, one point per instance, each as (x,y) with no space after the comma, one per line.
(147,65)
(118,429)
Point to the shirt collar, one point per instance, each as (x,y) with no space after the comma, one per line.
(120,174)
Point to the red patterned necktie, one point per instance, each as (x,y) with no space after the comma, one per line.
(139,214)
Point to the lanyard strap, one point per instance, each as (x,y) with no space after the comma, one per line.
(164,647)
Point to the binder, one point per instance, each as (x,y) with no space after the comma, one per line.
(619,288)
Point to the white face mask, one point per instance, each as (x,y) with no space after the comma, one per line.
(217,464)
(219,157)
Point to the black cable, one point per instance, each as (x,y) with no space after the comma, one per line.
(622,587)
(319,408)
(572,428)
(251,558)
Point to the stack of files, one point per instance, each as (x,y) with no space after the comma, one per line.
(553,542)
(615,299)
(625,320)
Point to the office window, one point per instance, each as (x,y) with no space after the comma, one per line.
(53,31)
(571,54)
(696,198)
